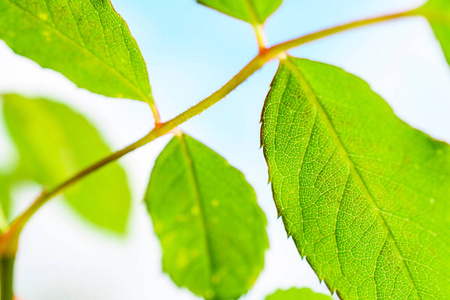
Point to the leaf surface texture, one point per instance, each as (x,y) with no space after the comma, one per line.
(85,40)
(55,143)
(205,214)
(252,11)
(364,196)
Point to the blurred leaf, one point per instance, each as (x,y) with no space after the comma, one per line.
(438,14)
(252,11)
(205,214)
(55,143)
(364,196)
(87,41)
(297,294)
(4,199)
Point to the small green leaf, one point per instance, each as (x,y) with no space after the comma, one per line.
(438,14)
(297,294)
(205,214)
(55,143)
(254,12)
(365,197)
(86,41)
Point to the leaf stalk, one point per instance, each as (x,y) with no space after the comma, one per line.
(260,37)
(155,112)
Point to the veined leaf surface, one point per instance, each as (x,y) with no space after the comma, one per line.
(252,11)
(364,196)
(55,143)
(297,294)
(86,41)
(438,14)
(205,214)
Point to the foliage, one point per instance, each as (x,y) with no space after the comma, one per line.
(297,294)
(363,195)
(438,14)
(4,200)
(205,213)
(63,143)
(87,41)
(254,12)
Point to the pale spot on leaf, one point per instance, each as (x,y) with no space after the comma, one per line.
(215,203)
(195,210)
(43,16)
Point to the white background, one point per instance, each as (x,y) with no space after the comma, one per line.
(190,52)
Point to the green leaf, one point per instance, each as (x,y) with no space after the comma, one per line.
(364,196)
(297,294)
(252,11)
(55,143)
(205,214)
(438,14)
(4,200)
(86,41)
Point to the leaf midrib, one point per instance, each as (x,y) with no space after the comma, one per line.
(200,205)
(310,92)
(252,11)
(71,41)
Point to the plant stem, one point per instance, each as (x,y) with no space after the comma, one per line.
(155,112)
(6,273)
(330,31)
(260,37)
(9,239)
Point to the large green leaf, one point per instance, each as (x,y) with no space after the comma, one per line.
(252,11)
(205,214)
(364,196)
(86,40)
(54,143)
(438,14)
(297,294)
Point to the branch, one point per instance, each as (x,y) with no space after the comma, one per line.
(9,239)
(330,31)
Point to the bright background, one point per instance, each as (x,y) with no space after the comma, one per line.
(191,51)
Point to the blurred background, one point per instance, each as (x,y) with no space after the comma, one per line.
(190,52)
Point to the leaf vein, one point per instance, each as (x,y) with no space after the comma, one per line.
(309,90)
